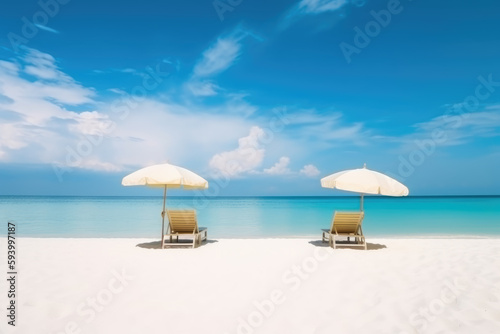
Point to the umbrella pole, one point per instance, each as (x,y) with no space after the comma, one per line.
(362,199)
(163,217)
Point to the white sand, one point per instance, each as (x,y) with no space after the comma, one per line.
(256,286)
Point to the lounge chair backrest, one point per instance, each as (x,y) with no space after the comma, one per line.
(182,221)
(346,222)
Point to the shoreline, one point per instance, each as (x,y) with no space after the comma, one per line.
(300,237)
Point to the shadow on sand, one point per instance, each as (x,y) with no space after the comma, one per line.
(369,245)
(180,244)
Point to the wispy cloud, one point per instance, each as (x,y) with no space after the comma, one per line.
(328,127)
(451,129)
(461,128)
(320,6)
(117,91)
(168,65)
(38,87)
(223,53)
(43,66)
(202,88)
(47,28)
(219,57)
(126,70)
(307,8)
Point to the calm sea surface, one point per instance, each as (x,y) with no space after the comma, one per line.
(249,217)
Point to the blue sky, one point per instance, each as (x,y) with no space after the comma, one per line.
(259,97)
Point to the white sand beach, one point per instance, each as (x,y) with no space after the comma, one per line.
(256,286)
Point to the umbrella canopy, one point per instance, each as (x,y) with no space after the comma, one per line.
(365,181)
(165,176)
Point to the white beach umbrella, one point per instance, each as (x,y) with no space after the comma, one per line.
(165,176)
(365,181)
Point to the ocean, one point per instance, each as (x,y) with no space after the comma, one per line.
(250,217)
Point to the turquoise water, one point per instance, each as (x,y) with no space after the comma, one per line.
(248,217)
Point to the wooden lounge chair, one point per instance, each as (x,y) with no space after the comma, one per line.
(345,224)
(184,222)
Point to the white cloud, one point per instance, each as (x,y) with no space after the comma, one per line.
(279,168)
(248,156)
(310,171)
(154,132)
(91,123)
(36,128)
(42,105)
(9,68)
(33,104)
(72,94)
